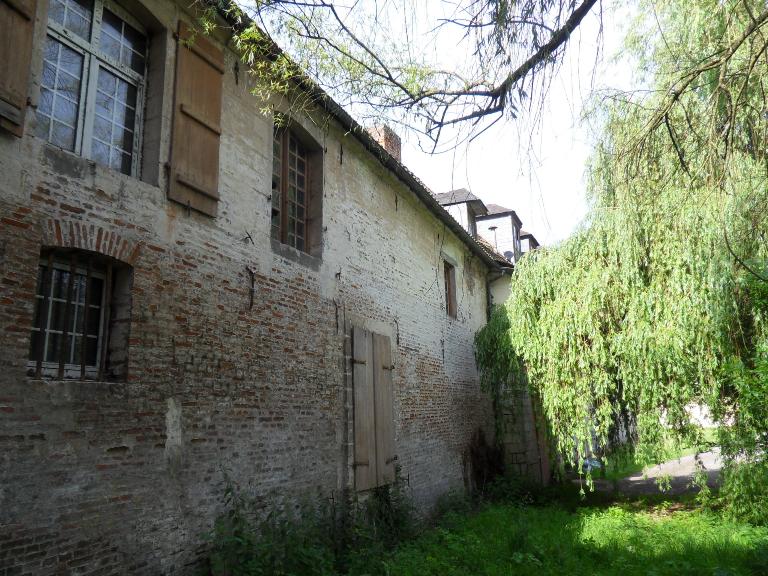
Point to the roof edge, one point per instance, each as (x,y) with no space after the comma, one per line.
(322,98)
(500,214)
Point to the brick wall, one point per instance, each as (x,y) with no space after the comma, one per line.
(124,477)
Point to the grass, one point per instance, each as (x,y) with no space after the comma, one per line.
(617,540)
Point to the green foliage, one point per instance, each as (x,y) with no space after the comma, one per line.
(507,540)
(318,537)
(286,541)
(745,491)
(503,369)
(659,302)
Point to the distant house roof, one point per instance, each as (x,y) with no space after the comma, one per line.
(455,197)
(494,211)
(461,196)
(531,238)
(500,259)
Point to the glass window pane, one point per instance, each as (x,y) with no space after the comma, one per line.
(60,279)
(65,110)
(35,344)
(135,40)
(97,285)
(125,115)
(115,122)
(76,353)
(102,129)
(49,74)
(45,105)
(74,15)
(110,45)
(59,94)
(91,349)
(116,160)
(125,163)
(104,104)
(78,24)
(123,43)
(63,136)
(126,93)
(79,318)
(80,288)
(137,62)
(111,24)
(58,311)
(100,152)
(94,319)
(56,11)
(106,84)
(54,342)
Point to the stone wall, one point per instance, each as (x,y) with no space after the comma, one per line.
(124,477)
(526,452)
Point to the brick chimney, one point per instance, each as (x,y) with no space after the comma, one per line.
(385,136)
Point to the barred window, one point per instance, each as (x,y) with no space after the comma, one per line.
(91,92)
(290,190)
(79,300)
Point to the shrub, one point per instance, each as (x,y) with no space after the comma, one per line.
(314,538)
(744,492)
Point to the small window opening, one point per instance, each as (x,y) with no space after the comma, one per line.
(82,316)
(450,289)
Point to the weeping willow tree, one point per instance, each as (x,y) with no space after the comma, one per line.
(659,302)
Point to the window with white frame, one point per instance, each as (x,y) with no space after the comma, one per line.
(80,296)
(92,86)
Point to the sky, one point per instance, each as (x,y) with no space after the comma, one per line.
(536,164)
(538,170)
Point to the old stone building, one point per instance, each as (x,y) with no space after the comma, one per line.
(189,290)
(499,229)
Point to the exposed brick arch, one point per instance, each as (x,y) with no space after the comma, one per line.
(85,236)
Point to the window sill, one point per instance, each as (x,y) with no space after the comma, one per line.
(294,255)
(70,375)
(73,165)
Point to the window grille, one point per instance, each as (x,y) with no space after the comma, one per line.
(290,190)
(72,315)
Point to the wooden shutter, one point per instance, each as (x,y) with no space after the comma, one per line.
(194,179)
(17,19)
(365,416)
(385,425)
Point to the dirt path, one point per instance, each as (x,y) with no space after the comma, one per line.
(680,472)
